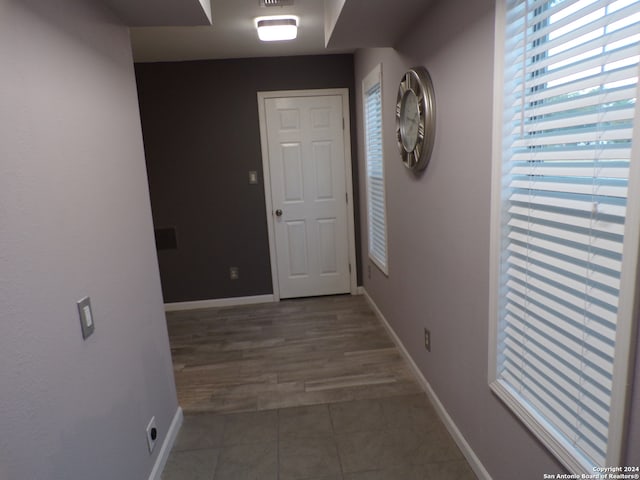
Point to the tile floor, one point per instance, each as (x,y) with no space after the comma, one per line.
(392,438)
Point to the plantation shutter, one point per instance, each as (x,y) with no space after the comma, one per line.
(571,74)
(375,170)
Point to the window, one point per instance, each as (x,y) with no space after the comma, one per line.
(377,215)
(564,227)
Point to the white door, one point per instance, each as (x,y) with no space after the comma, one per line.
(306,156)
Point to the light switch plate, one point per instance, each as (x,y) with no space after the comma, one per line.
(253,177)
(234,273)
(86,317)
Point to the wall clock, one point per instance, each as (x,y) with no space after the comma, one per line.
(416,118)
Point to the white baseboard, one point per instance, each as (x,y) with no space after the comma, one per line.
(167,445)
(218,302)
(462,443)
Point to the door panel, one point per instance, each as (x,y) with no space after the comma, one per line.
(289,119)
(293,186)
(327,242)
(322,159)
(308,184)
(297,253)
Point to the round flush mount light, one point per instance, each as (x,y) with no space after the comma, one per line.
(277,28)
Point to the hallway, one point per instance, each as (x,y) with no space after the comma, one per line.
(310,389)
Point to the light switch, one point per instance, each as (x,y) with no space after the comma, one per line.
(253,177)
(86,310)
(86,317)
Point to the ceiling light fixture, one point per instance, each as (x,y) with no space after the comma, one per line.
(271,29)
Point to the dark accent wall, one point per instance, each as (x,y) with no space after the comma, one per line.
(202,137)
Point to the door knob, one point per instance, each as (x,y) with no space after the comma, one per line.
(278,213)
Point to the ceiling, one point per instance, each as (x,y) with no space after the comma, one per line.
(351,24)
(162,12)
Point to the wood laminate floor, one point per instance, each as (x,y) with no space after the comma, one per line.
(293,353)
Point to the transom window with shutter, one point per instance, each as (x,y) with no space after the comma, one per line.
(377,214)
(565,220)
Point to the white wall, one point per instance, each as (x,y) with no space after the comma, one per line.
(439,233)
(75,220)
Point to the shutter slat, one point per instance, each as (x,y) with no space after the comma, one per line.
(591,83)
(582,204)
(610,169)
(590,293)
(557,260)
(574,103)
(585,239)
(540,123)
(573,137)
(576,187)
(602,153)
(568,250)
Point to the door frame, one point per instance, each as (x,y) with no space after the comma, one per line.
(344,93)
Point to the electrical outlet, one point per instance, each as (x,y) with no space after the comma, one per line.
(234,273)
(427,339)
(152,434)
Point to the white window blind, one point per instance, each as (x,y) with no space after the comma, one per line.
(566,121)
(372,88)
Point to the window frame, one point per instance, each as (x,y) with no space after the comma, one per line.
(628,298)
(373,79)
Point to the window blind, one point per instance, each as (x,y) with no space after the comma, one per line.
(375,170)
(568,105)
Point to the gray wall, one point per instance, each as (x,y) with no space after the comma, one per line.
(75,220)
(202,137)
(438,229)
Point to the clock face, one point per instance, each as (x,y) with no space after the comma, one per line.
(409,120)
(415,118)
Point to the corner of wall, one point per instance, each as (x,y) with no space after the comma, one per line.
(167,445)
